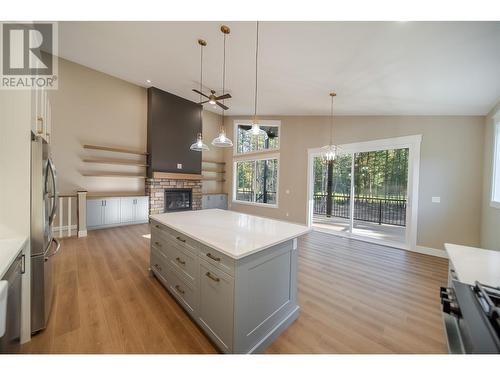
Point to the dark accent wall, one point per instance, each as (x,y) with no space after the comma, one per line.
(173,124)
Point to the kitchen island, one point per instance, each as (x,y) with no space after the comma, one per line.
(234,274)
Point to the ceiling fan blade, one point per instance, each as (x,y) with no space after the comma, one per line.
(222,106)
(206,101)
(225,96)
(199,92)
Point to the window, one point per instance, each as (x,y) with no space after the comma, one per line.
(256,181)
(495,188)
(246,143)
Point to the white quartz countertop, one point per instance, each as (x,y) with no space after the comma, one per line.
(232,233)
(473,264)
(9,248)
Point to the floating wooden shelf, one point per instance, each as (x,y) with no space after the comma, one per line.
(212,171)
(213,179)
(213,162)
(112,174)
(177,176)
(117,162)
(115,149)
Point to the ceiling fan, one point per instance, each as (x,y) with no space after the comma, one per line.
(212,99)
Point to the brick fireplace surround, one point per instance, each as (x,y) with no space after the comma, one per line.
(155,189)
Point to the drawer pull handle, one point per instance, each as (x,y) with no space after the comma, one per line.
(217,259)
(178,288)
(157,243)
(210,276)
(157,267)
(180,239)
(183,262)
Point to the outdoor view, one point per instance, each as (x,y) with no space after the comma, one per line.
(251,143)
(380,193)
(256,181)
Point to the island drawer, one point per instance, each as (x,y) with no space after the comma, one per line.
(164,233)
(184,262)
(159,263)
(216,258)
(183,292)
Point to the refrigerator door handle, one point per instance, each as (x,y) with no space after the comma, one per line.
(50,165)
(58,247)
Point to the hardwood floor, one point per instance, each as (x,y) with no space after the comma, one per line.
(355,297)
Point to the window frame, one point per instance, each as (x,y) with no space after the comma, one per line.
(275,123)
(495,169)
(251,157)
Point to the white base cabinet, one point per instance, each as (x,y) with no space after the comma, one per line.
(241,304)
(115,211)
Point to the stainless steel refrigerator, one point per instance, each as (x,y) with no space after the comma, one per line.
(43,246)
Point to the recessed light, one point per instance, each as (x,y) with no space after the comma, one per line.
(148,81)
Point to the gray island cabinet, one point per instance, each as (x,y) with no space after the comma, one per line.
(234,274)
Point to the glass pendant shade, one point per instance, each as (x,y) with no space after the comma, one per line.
(256,131)
(222,140)
(331,152)
(199,145)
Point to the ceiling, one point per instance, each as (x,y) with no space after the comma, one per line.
(376,68)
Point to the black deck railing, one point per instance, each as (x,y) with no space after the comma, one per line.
(247,196)
(376,210)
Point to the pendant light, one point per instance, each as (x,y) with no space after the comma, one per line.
(199,145)
(331,151)
(255,130)
(222,140)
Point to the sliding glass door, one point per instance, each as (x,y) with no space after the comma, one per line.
(362,193)
(380,194)
(332,190)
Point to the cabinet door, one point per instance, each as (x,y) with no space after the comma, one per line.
(127,210)
(142,209)
(111,211)
(94,212)
(216,304)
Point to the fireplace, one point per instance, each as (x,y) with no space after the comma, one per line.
(178,200)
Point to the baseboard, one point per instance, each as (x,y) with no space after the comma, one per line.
(82,233)
(64,229)
(430,251)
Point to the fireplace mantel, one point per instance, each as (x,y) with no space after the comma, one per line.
(177,176)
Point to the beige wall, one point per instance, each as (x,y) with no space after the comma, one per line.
(450,167)
(490,220)
(93,107)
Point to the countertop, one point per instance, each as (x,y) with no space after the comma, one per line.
(473,264)
(9,248)
(235,234)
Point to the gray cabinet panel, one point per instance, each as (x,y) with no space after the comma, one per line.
(216,304)
(127,210)
(214,201)
(94,213)
(111,211)
(142,209)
